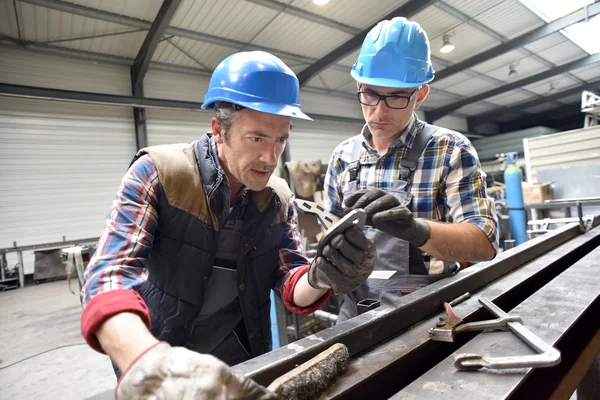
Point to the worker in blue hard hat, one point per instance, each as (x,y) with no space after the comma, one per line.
(199,234)
(422,185)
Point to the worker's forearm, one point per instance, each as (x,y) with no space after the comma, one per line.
(124,337)
(304,294)
(458,242)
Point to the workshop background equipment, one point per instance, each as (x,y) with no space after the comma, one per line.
(550,282)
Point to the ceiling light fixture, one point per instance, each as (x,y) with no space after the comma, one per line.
(320,2)
(512,69)
(447,47)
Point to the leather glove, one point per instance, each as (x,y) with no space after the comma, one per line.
(166,372)
(385,213)
(346,261)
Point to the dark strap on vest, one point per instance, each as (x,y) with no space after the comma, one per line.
(408,164)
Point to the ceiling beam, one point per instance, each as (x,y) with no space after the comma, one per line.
(140,65)
(159,26)
(519,41)
(407,10)
(185,33)
(32,92)
(440,112)
(94,98)
(493,115)
(545,118)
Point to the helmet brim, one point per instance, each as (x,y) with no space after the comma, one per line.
(283,110)
(388,83)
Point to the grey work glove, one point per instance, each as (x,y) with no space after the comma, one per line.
(166,372)
(346,261)
(385,213)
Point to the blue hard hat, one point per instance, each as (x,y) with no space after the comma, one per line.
(256,80)
(394,54)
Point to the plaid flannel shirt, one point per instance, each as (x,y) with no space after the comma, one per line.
(448,184)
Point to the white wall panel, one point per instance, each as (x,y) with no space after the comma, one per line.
(174,126)
(565,149)
(60,168)
(24,67)
(317,140)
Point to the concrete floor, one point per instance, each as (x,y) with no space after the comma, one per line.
(38,319)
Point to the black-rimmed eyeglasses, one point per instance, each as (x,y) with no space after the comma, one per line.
(393,101)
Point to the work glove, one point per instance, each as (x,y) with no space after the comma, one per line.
(346,261)
(385,213)
(166,372)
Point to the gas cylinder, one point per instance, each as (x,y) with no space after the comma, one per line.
(513,179)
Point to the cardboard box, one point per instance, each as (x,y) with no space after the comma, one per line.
(535,194)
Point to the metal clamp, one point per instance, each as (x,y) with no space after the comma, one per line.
(445,330)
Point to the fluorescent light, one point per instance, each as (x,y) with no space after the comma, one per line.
(583,34)
(320,2)
(447,47)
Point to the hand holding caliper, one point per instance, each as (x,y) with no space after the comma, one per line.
(345,257)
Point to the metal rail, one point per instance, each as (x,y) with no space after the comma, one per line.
(390,366)
(551,313)
(369,329)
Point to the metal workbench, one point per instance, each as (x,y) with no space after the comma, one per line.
(546,281)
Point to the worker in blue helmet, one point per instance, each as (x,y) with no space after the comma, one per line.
(421,185)
(179,287)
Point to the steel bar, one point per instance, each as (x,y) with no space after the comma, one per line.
(560,204)
(21,269)
(390,366)
(373,327)
(550,313)
(48,245)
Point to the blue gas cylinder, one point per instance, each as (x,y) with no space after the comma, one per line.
(513,179)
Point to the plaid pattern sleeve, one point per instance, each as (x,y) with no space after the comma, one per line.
(293,265)
(465,194)
(291,256)
(124,245)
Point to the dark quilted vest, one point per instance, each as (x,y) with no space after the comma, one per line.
(185,242)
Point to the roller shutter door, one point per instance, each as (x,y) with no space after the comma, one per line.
(60,168)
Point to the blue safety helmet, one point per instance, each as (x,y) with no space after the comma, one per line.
(256,80)
(394,54)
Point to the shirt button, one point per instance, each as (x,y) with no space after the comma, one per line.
(242,287)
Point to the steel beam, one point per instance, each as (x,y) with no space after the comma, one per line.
(550,313)
(406,10)
(387,368)
(93,98)
(531,36)
(159,26)
(369,329)
(440,112)
(32,92)
(492,115)
(142,62)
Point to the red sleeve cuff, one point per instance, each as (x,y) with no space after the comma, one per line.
(288,294)
(104,306)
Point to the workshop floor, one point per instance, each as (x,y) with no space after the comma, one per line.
(42,352)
